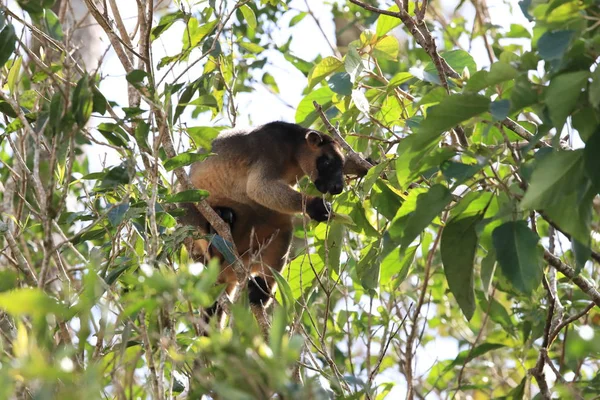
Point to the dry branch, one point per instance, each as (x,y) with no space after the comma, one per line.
(586,286)
(335,133)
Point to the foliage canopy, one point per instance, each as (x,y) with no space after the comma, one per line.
(477,231)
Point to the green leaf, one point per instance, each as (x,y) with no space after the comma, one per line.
(467,355)
(519,255)
(518,392)
(141,136)
(203,135)
(136,76)
(284,292)
(564,12)
(185,97)
(303,66)
(183,159)
(518,31)
(552,45)
(523,94)
(223,246)
(8,40)
(591,159)
(206,100)
(83,101)
(195,33)
(399,79)
(497,313)
(166,21)
(457,59)
(450,112)
(353,63)
(573,212)
(581,252)
(563,94)
(341,83)
(368,267)
(594,91)
(386,48)
(554,174)
(114,274)
(499,72)
(499,109)
(460,172)
(99,102)
(300,273)
(335,242)
(458,247)
(269,80)
(28,301)
(188,196)
(386,23)
(305,113)
(396,263)
(53,26)
(57,109)
(415,157)
(7,110)
(297,18)
(252,47)
(114,134)
(114,177)
(13,74)
(35,7)
(385,200)
(116,214)
(417,212)
(488,268)
(249,16)
(323,69)
(560,187)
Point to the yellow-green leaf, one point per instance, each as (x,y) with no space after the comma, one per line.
(249,16)
(326,67)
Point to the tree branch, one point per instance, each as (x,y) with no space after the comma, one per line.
(335,133)
(586,286)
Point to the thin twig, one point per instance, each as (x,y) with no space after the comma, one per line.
(350,153)
(586,286)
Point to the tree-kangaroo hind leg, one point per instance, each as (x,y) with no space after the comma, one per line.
(271,256)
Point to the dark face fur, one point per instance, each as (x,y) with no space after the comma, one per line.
(330,176)
(324,163)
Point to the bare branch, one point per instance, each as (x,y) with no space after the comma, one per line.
(350,153)
(586,286)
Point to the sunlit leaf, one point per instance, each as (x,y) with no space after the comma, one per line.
(324,68)
(386,23)
(499,72)
(188,196)
(184,159)
(249,16)
(305,113)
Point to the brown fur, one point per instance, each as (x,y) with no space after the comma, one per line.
(252,174)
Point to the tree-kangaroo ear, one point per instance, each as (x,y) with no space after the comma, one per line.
(353,168)
(314,139)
